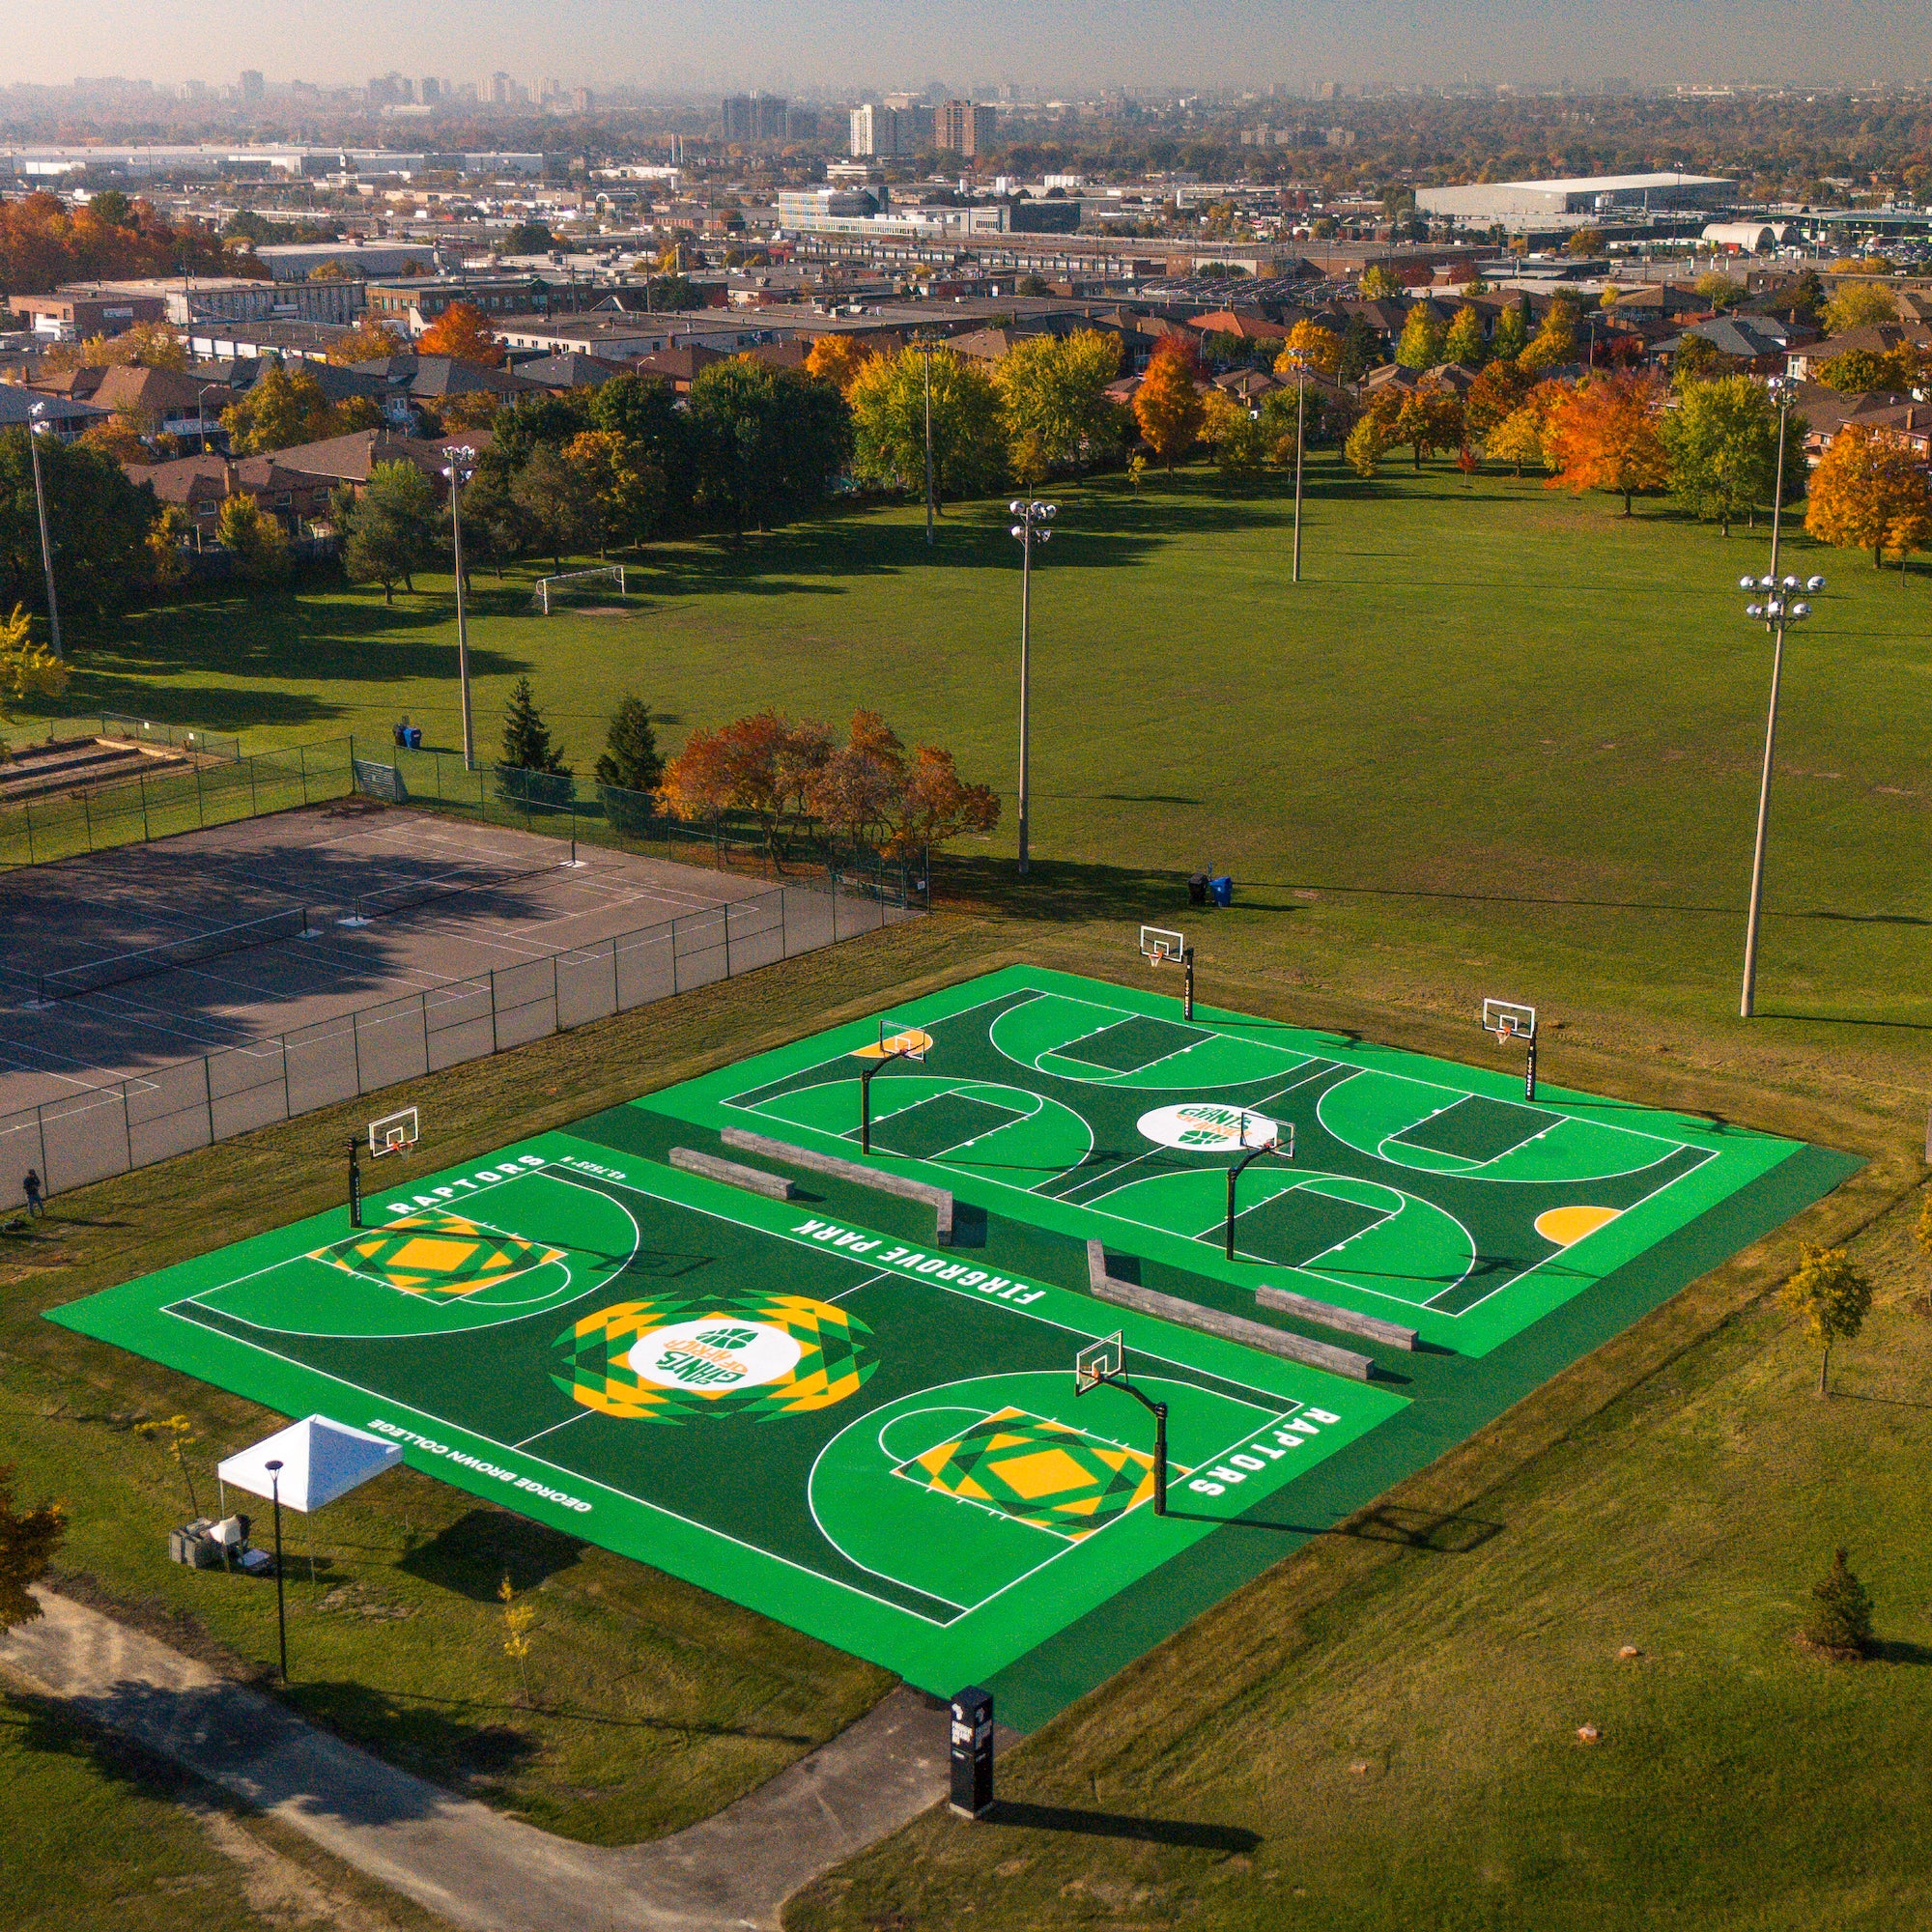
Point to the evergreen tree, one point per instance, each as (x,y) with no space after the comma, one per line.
(1360,351)
(1843,1622)
(527,745)
(630,759)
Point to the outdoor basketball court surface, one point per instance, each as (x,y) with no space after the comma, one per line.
(810,1407)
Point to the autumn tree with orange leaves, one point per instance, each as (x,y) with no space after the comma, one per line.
(1868,492)
(44,244)
(461,332)
(866,792)
(1168,405)
(838,358)
(1602,435)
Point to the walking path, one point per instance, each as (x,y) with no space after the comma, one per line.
(473,1866)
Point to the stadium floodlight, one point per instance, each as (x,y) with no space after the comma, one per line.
(39,423)
(1776,613)
(1029,531)
(460,468)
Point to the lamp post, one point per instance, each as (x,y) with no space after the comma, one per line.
(201,410)
(460,468)
(1034,517)
(1297,359)
(38,426)
(1778,610)
(274,1470)
(926,345)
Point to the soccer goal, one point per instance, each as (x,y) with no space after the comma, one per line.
(578,587)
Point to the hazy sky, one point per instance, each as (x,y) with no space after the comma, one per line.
(1049,46)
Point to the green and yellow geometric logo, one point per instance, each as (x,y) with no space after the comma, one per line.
(1037,1471)
(435,1253)
(666,1360)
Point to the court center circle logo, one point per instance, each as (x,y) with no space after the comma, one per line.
(668,1359)
(1207,1126)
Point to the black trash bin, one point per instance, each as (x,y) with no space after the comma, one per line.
(1197,888)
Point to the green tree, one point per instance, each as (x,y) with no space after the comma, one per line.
(1512,333)
(1054,407)
(1423,338)
(1367,444)
(1721,440)
(526,741)
(1430,420)
(1555,341)
(1379,284)
(630,762)
(284,409)
(766,442)
(1858,306)
(1466,343)
(888,402)
(28,1540)
(1842,1621)
(1719,290)
(1361,351)
(100,523)
(1833,1298)
(556,505)
(255,539)
(388,531)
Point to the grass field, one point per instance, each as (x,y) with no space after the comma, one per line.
(1494,729)
(1500,743)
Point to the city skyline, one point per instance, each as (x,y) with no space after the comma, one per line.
(1076,47)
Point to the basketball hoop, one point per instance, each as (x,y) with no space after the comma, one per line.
(1160,948)
(393,1134)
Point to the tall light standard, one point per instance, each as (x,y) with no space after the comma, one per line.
(926,345)
(1298,360)
(38,426)
(274,1470)
(460,468)
(1034,517)
(1778,610)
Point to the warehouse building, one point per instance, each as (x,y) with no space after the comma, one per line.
(1621,196)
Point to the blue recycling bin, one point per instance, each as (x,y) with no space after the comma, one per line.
(1222,890)
(415,738)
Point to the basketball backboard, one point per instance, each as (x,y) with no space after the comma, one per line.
(1098,1362)
(393,1134)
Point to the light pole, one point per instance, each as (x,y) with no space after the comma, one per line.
(926,345)
(38,426)
(274,1470)
(1297,359)
(1034,517)
(460,468)
(1778,610)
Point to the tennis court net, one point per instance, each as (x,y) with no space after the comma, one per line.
(90,976)
(402,895)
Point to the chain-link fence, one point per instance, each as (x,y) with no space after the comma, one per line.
(216,788)
(112,1129)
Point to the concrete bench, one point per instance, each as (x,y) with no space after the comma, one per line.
(1211,1322)
(938,1199)
(1307,1309)
(756,1178)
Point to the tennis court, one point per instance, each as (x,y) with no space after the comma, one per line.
(139,957)
(868,1440)
(1419,1191)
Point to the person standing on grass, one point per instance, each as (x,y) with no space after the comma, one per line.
(32,1188)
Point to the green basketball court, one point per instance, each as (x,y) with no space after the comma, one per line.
(1426,1193)
(808,1407)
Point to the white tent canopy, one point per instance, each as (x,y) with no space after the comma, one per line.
(321,1461)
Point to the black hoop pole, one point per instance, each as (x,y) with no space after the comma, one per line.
(355,1183)
(1187,994)
(1529,1073)
(866,1078)
(1234,1172)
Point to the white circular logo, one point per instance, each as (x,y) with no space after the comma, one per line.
(1208,1126)
(714,1355)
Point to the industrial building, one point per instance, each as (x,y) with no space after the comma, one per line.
(1619,196)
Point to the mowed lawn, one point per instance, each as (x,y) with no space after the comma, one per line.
(1496,728)
(1405,1752)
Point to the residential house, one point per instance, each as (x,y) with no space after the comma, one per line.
(64,416)
(1879,338)
(200,484)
